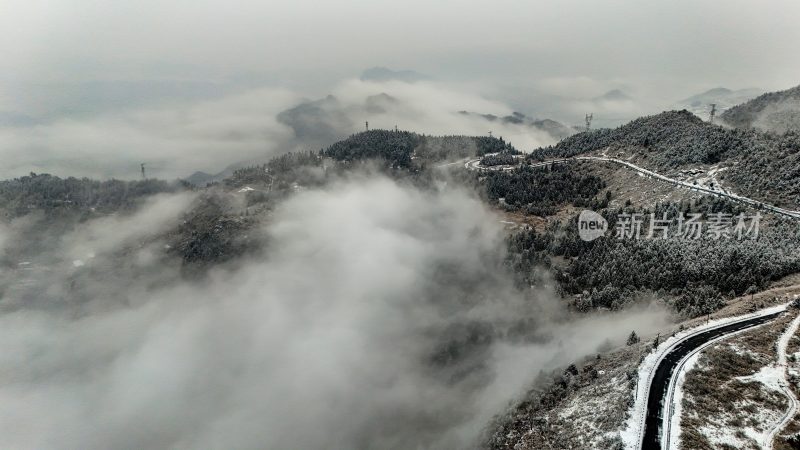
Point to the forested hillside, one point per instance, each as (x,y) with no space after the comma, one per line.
(398,148)
(541,190)
(222,222)
(556,130)
(51,193)
(670,139)
(694,276)
(778,112)
(697,275)
(760,165)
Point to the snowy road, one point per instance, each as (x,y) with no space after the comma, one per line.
(794,404)
(662,422)
(648,425)
(474,164)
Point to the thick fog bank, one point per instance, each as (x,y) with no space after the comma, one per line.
(379,316)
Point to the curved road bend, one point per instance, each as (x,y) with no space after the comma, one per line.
(665,369)
(475,165)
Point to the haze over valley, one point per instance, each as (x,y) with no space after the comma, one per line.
(286,225)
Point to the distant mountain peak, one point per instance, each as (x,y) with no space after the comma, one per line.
(717,91)
(723,98)
(614,95)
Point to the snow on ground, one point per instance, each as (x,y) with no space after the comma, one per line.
(770,376)
(631,434)
(581,411)
(720,433)
(723,434)
(758,418)
(712,175)
(782,383)
(675,429)
(693,187)
(754,419)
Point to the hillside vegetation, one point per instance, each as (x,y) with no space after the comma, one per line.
(760,165)
(695,276)
(778,112)
(51,194)
(398,148)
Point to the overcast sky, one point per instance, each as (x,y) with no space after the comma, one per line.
(69,58)
(686,42)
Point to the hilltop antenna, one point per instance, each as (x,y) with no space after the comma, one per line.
(143,175)
(589,118)
(713,111)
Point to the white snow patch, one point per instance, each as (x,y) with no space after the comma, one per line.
(675,429)
(770,376)
(631,433)
(246,189)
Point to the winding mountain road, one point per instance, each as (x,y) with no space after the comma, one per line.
(660,405)
(653,412)
(474,164)
(794,404)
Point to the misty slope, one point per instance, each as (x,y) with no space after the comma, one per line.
(778,112)
(762,166)
(317,122)
(700,104)
(221,223)
(250,272)
(554,128)
(413,341)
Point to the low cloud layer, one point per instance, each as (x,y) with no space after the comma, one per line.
(175,140)
(379,316)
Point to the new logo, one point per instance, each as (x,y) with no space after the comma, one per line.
(591,225)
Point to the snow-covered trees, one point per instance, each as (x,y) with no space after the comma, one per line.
(767,165)
(695,274)
(397,147)
(51,193)
(538,190)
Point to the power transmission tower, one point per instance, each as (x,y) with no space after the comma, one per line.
(589,118)
(490,134)
(713,111)
(367,123)
(144,177)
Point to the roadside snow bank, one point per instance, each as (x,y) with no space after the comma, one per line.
(634,427)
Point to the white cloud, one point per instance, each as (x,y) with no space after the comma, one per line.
(379,317)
